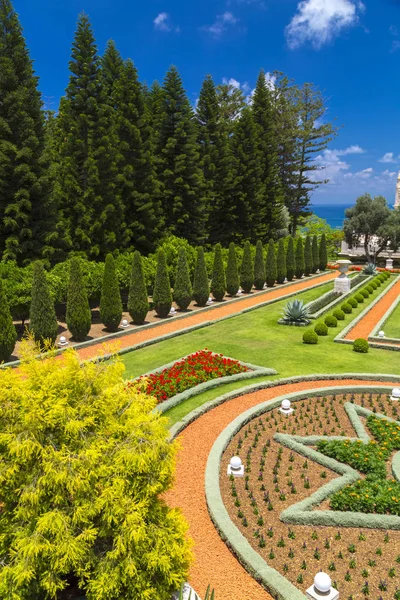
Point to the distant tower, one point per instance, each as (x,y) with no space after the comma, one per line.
(397,201)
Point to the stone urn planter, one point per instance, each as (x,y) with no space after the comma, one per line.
(342,283)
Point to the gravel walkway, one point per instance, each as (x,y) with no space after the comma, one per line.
(214,564)
(225,309)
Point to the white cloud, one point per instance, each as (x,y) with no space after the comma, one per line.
(233,82)
(365,173)
(388,158)
(162,22)
(333,167)
(221,24)
(319,21)
(355,149)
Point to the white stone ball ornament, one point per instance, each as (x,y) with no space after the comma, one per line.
(395,394)
(322,582)
(285,407)
(63,341)
(381,334)
(236,467)
(124,323)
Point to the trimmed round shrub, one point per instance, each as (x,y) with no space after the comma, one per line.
(378,282)
(381,278)
(290,260)
(110,302)
(259,267)
(321,329)
(360,345)
(339,314)
(138,301)
(270,265)
(330,321)
(347,308)
(218,282)
(353,302)
(232,273)
(8,333)
(43,321)
(183,287)
(364,292)
(359,297)
(373,284)
(370,289)
(310,337)
(201,287)
(247,270)
(79,317)
(162,295)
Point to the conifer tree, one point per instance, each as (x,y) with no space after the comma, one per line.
(79,316)
(218,282)
(308,259)
(42,316)
(8,333)
(162,295)
(110,302)
(290,260)
(231,101)
(270,266)
(201,286)
(111,66)
(300,266)
(183,287)
(247,270)
(259,267)
(281,262)
(232,273)
(27,219)
(177,163)
(323,253)
(315,254)
(138,302)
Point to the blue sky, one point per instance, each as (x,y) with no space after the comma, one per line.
(348,48)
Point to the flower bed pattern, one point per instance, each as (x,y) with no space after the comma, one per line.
(189,372)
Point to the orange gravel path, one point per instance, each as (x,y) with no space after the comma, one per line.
(172,325)
(214,563)
(367,324)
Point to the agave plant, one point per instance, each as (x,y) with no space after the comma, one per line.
(295,313)
(370,269)
(209,594)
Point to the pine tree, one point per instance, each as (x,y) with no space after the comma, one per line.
(79,316)
(8,333)
(162,296)
(183,288)
(111,66)
(308,259)
(110,302)
(290,260)
(27,219)
(323,253)
(315,254)
(218,282)
(259,267)
(281,262)
(201,287)
(300,266)
(231,101)
(232,273)
(177,163)
(42,316)
(270,266)
(247,270)
(138,302)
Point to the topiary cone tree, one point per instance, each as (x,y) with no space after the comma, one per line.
(281,262)
(162,295)
(323,253)
(232,273)
(110,302)
(138,301)
(42,316)
(259,267)
(218,282)
(247,269)
(299,258)
(201,287)
(79,316)
(183,288)
(270,267)
(8,333)
(315,254)
(290,260)
(308,260)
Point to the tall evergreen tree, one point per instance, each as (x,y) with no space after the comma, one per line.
(87,184)
(308,259)
(8,333)
(270,265)
(201,286)
(315,254)
(27,219)
(79,316)
(290,260)
(323,253)
(42,315)
(138,301)
(281,262)
(232,273)
(162,295)
(259,267)
(177,163)
(110,302)
(183,287)
(218,282)
(231,102)
(300,266)
(111,65)
(247,270)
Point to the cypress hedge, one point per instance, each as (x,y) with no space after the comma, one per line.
(162,296)
(259,267)
(232,273)
(290,260)
(308,259)
(299,258)
(270,267)
(315,254)
(79,317)
(110,302)
(281,262)
(183,287)
(42,317)
(8,333)
(218,282)
(138,301)
(247,270)
(323,253)
(201,287)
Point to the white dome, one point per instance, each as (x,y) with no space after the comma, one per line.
(381,334)
(63,340)
(235,462)
(396,392)
(125,323)
(322,582)
(285,404)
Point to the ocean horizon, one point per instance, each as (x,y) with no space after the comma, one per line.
(332,213)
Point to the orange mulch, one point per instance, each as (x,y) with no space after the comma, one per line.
(172,325)
(367,324)
(214,563)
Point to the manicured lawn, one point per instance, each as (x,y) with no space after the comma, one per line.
(392,325)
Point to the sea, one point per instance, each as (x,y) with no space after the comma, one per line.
(332,213)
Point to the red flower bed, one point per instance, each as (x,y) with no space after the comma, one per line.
(189,372)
